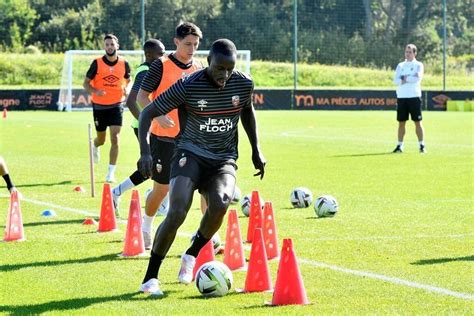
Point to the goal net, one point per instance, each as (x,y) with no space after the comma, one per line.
(72,95)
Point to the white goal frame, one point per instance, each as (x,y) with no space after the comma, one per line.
(67,84)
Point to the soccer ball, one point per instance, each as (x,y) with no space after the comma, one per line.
(326,206)
(245,204)
(214,279)
(301,197)
(237,195)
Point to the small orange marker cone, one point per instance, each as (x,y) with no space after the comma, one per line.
(89,221)
(289,287)
(234,256)
(14,227)
(255,215)
(107,220)
(258,277)
(205,255)
(269,232)
(134,244)
(4,112)
(79,189)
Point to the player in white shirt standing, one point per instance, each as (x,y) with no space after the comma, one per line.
(408,77)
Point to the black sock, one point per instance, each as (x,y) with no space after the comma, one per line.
(8,181)
(137,178)
(198,242)
(153,267)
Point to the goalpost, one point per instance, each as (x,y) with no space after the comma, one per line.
(77,62)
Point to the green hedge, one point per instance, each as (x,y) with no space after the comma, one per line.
(44,70)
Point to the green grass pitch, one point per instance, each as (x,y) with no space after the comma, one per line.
(402,242)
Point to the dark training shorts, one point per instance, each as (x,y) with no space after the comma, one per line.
(107,117)
(410,106)
(201,171)
(162,153)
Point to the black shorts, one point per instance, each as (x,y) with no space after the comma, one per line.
(107,117)
(162,153)
(411,106)
(201,171)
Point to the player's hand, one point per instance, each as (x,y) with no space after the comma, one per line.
(165,121)
(145,165)
(259,163)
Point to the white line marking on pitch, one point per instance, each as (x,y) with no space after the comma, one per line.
(429,288)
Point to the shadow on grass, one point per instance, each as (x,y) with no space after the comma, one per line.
(364,155)
(53,222)
(73,304)
(43,184)
(14,267)
(443,260)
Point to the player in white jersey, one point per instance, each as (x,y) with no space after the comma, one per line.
(408,76)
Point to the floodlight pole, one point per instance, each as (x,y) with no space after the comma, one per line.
(295,48)
(142,20)
(444,45)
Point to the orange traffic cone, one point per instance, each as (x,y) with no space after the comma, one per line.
(269,232)
(258,275)
(107,220)
(14,228)
(289,287)
(255,215)
(134,244)
(135,195)
(5,113)
(205,255)
(234,256)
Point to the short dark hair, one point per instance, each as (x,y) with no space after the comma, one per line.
(223,46)
(111,36)
(152,44)
(187,28)
(412,47)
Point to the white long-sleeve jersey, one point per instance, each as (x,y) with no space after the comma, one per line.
(413,72)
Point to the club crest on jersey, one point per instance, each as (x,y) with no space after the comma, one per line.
(182,161)
(111,69)
(235,100)
(159,167)
(202,104)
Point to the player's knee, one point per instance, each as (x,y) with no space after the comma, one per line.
(218,206)
(175,218)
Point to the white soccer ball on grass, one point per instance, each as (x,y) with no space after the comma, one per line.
(301,197)
(245,204)
(213,279)
(326,206)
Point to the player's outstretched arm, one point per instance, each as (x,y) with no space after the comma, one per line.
(145,163)
(249,123)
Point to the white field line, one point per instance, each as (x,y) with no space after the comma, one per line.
(426,287)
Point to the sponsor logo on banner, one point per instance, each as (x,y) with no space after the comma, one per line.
(40,100)
(9,102)
(440,101)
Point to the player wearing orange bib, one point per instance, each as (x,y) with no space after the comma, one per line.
(107,80)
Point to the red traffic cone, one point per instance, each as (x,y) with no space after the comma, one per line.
(89,221)
(255,215)
(270,232)
(289,287)
(135,195)
(14,227)
(258,275)
(4,112)
(234,256)
(107,220)
(134,244)
(205,255)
